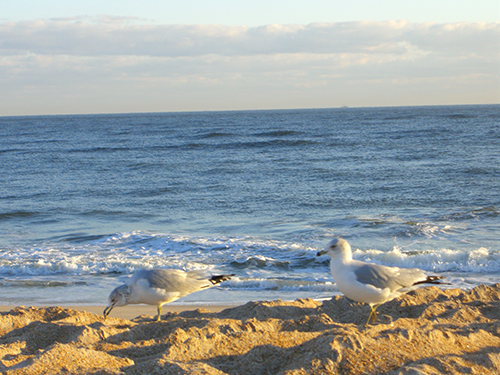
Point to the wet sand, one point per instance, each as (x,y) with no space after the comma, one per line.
(427,331)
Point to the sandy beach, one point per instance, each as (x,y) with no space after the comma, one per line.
(132,311)
(427,331)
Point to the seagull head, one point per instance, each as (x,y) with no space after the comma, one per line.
(337,247)
(118,297)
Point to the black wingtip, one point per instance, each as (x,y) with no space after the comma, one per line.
(216,279)
(432,280)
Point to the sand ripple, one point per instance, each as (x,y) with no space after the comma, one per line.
(428,331)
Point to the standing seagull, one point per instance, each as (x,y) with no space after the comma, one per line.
(158,287)
(370,283)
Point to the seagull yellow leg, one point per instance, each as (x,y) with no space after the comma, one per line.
(159,313)
(373,314)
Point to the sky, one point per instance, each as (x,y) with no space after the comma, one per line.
(107,56)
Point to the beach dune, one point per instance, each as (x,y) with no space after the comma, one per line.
(426,331)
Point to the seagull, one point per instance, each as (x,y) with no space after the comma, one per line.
(370,283)
(158,287)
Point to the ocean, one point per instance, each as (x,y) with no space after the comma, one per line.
(87,200)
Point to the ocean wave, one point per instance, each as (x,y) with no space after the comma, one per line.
(408,225)
(270,143)
(34,283)
(17,214)
(279,133)
(260,262)
(216,134)
(474,214)
(481,260)
(125,253)
(280,284)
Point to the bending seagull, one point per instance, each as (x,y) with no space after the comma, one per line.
(158,287)
(370,283)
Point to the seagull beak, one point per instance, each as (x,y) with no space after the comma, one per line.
(107,310)
(322,252)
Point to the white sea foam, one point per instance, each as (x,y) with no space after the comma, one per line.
(480,260)
(125,253)
(264,269)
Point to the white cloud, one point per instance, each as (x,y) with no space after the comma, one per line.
(115,37)
(221,67)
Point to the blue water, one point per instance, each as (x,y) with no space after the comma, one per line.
(87,200)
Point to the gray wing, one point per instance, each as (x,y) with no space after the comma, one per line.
(175,280)
(388,277)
